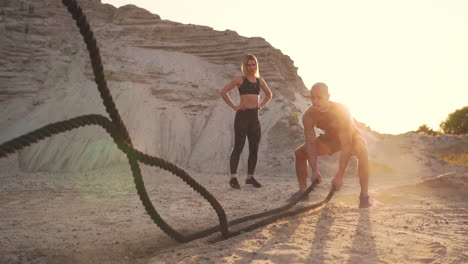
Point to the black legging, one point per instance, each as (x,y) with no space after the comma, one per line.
(247,124)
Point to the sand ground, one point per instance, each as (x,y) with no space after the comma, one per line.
(96,217)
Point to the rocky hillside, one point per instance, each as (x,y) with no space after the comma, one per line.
(164,76)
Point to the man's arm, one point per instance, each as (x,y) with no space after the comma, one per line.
(345,135)
(346,148)
(310,141)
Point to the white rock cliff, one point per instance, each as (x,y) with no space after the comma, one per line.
(164,76)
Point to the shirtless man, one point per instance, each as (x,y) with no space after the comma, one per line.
(340,134)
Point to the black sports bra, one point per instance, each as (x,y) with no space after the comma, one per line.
(248,87)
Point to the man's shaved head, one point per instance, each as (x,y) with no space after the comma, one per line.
(319,96)
(320,87)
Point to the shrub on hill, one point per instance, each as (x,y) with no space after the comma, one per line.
(427,130)
(456,123)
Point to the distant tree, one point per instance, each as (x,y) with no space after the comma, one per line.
(427,130)
(456,122)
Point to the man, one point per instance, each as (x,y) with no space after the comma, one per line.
(340,134)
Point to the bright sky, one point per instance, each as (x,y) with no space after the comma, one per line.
(396,64)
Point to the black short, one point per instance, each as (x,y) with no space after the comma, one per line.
(333,143)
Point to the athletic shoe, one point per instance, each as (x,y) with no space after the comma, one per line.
(254,182)
(364,201)
(234,183)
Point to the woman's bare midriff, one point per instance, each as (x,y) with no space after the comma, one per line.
(249,100)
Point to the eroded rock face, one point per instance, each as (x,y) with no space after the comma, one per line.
(164,77)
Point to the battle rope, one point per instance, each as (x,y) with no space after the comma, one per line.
(117,130)
(280,211)
(63,126)
(111,109)
(85,120)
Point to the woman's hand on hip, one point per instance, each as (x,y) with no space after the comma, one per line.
(240,107)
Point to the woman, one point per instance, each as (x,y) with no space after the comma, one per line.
(246,123)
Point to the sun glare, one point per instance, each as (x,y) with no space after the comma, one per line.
(388,71)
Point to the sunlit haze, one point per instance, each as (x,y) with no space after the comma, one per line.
(396,64)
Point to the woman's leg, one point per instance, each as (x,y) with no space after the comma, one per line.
(240,131)
(254,134)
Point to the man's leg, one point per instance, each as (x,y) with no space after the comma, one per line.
(302,167)
(360,149)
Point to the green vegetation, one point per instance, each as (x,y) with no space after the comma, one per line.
(456,123)
(427,130)
(456,158)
